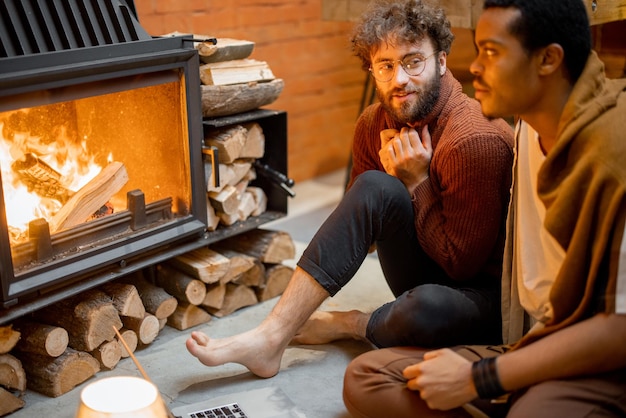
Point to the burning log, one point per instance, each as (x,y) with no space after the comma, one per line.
(40,178)
(91,197)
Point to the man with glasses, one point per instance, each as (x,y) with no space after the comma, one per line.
(429,189)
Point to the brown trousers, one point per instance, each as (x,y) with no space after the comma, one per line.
(374,388)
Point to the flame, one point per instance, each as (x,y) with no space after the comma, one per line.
(70,158)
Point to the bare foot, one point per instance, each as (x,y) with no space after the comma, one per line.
(251,349)
(324,327)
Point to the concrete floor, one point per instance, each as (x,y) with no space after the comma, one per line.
(311,376)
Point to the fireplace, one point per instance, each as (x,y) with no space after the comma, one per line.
(101,136)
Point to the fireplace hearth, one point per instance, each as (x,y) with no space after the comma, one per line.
(101,137)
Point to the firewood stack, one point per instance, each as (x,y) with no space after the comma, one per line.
(62,345)
(233,200)
(232,82)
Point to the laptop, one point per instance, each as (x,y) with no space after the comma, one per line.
(267,402)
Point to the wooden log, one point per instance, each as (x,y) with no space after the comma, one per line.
(55,376)
(254,276)
(241,172)
(125,298)
(212,219)
(229,142)
(187,316)
(12,374)
(8,338)
(239,262)
(38,338)
(155,299)
(146,328)
(90,197)
(277,277)
(269,246)
(108,354)
(247,205)
(254,147)
(226,49)
(235,72)
(214,296)
(9,403)
(237,98)
(203,263)
(260,200)
(225,201)
(180,285)
(237,296)
(88,318)
(131,340)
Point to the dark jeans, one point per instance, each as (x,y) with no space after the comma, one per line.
(430,309)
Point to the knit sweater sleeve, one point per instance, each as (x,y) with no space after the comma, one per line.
(461,209)
(366,142)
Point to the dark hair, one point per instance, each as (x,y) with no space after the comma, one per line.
(543,22)
(399,22)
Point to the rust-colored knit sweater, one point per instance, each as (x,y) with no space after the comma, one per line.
(460,210)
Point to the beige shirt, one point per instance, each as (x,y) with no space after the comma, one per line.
(538,257)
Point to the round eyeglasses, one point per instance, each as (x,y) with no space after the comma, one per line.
(413,65)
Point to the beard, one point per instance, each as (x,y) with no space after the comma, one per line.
(411,112)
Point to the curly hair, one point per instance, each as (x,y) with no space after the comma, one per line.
(393,21)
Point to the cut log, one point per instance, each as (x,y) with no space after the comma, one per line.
(203,263)
(225,172)
(108,354)
(155,299)
(9,403)
(88,318)
(38,338)
(180,285)
(212,219)
(239,262)
(235,72)
(254,146)
(214,296)
(254,276)
(247,205)
(55,376)
(241,172)
(12,374)
(225,201)
(90,197)
(237,98)
(8,338)
(277,277)
(269,246)
(146,328)
(226,49)
(125,299)
(130,338)
(187,316)
(260,200)
(237,296)
(229,142)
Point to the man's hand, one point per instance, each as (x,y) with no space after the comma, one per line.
(444,379)
(406,155)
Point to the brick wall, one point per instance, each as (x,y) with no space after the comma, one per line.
(323,81)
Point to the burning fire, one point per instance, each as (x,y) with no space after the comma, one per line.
(42,168)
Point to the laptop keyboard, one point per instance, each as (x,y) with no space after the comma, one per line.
(231,410)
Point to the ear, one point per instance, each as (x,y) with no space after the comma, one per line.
(550,59)
(443,59)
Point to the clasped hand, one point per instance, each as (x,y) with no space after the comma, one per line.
(405,154)
(443,379)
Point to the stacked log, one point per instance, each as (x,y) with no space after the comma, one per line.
(236,272)
(233,199)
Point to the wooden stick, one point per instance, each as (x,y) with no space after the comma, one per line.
(141,370)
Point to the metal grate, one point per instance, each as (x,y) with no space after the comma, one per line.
(39,26)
